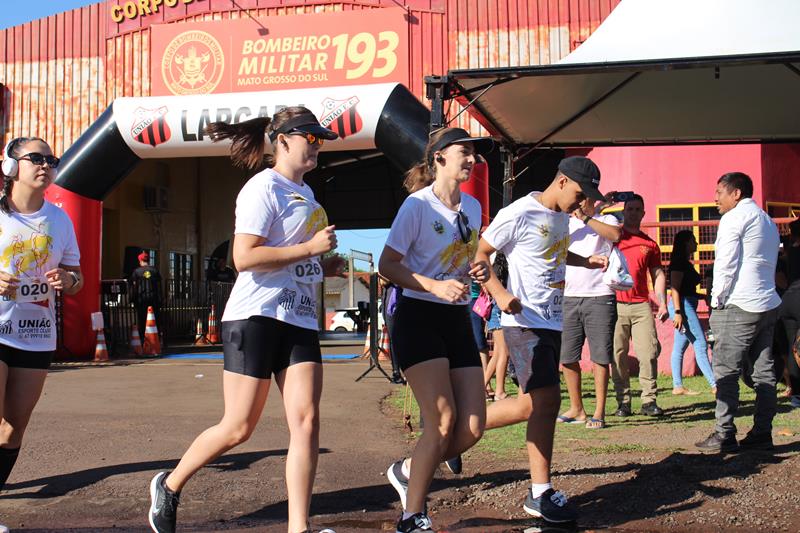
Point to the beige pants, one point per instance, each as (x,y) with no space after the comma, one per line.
(635,320)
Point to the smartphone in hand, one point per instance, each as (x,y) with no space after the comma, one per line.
(622,196)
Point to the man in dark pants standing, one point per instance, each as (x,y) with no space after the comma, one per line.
(145,291)
(744,310)
(789,311)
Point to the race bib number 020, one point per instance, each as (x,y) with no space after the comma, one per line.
(309,271)
(33,290)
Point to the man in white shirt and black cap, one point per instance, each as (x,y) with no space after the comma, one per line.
(744,311)
(533,232)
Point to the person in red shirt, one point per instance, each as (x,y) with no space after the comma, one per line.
(634,314)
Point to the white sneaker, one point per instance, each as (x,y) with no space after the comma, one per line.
(4,529)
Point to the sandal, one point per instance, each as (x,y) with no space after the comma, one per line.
(595,423)
(569,420)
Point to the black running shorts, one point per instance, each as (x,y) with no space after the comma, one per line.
(16,358)
(262,346)
(428,330)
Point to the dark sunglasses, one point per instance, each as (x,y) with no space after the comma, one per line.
(463,227)
(38,159)
(310,137)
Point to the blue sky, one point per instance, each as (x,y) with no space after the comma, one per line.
(11,12)
(370,241)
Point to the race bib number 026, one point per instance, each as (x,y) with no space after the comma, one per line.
(33,290)
(309,271)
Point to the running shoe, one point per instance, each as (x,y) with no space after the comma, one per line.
(551,505)
(163,506)
(454,464)
(4,529)
(398,480)
(416,523)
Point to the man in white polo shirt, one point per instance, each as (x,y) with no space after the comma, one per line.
(744,310)
(590,312)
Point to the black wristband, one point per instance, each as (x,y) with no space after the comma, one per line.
(586,219)
(678,312)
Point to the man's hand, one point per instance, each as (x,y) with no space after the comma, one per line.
(662,313)
(597,261)
(508,303)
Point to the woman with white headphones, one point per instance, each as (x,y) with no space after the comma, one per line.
(38,256)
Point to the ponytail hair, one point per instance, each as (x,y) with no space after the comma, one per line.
(250,137)
(423,173)
(13,150)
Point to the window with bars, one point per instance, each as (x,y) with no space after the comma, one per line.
(783,209)
(180,266)
(705,235)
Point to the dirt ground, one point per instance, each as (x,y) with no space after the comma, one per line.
(101,432)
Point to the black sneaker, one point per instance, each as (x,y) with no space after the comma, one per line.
(760,441)
(455,465)
(715,443)
(551,505)
(651,409)
(416,523)
(163,506)
(398,480)
(623,410)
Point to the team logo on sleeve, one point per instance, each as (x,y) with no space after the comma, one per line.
(150,126)
(6,328)
(341,116)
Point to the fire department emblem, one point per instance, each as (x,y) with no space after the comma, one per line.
(341,116)
(150,126)
(193,63)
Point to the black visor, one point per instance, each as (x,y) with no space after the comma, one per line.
(482,145)
(306,123)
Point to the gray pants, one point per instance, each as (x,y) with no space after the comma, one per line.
(740,334)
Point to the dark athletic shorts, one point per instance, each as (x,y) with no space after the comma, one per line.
(260,346)
(429,330)
(592,318)
(16,358)
(534,353)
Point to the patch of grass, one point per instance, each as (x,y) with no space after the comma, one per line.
(616,448)
(683,413)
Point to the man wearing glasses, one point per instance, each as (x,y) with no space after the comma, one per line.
(533,233)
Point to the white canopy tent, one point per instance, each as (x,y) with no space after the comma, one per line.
(654,72)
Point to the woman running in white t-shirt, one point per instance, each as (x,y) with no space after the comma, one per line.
(38,256)
(429,252)
(270,322)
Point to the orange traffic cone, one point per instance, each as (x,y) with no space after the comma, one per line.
(366,354)
(136,341)
(383,353)
(100,350)
(152,344)
(200,337)
(213,334)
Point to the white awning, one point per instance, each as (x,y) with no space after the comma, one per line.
(656,72)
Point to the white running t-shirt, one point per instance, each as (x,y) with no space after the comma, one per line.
(426,233)
(535,240)
(584,241)
(285,214)
(30,246)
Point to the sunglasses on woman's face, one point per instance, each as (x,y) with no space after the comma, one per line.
(39,159)
(310,137)
(463,227)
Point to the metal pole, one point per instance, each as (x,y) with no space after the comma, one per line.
(350,278)
(508,175)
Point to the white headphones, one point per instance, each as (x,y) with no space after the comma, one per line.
(10,165)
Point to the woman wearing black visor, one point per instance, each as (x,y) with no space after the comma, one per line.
(429,252)
(270,322)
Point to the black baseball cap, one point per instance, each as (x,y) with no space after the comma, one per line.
(460,135)
(306,123)
(583,171)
